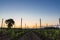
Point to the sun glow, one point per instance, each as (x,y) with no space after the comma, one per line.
(29,23)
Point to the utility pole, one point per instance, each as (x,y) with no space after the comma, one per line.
(46,25)
(21,23)
(40,22)
(25,25)
(36,25)
(2,23)
(59,21)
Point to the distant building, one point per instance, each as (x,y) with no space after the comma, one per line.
(59,20)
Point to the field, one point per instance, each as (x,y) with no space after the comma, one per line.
(15,34)
(48,34)
(11,33)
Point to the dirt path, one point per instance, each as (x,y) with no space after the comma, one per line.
(29,36)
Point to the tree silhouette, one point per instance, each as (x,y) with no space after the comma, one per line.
(10,22)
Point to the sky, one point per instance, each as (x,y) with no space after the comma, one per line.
(31,11)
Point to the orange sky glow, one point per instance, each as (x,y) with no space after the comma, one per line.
(31,24)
